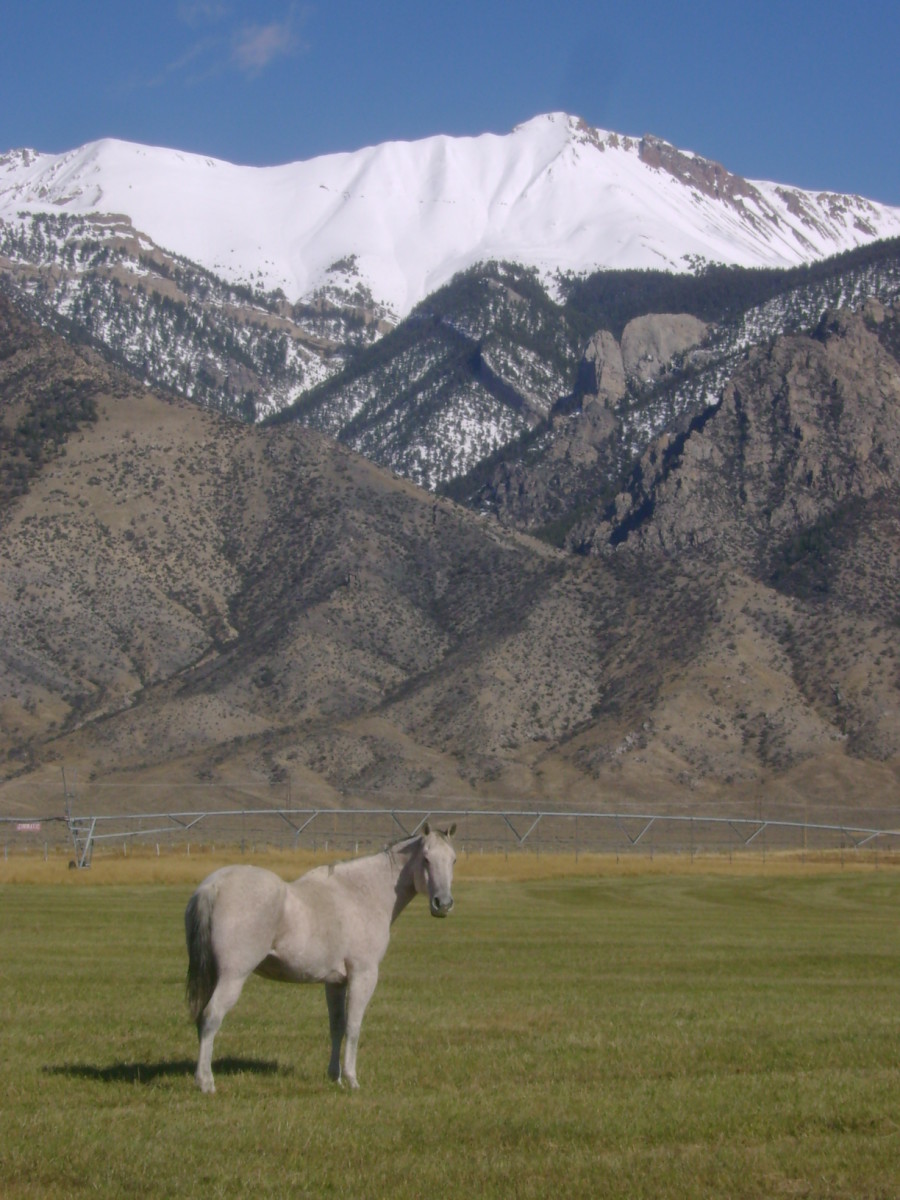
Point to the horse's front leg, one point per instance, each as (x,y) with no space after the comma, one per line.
(360,987)
(336,998)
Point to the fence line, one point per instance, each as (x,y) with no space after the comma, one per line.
(357,828)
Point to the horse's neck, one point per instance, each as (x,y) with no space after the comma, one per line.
(386,879)
(402,867)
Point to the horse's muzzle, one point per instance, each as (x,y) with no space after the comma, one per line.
(439,907)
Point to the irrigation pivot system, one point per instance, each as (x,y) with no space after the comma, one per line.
(355,829)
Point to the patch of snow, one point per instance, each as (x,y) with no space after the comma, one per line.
(553,194)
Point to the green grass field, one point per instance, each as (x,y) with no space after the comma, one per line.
(685,1034)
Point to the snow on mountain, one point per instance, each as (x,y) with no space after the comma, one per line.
(403,217)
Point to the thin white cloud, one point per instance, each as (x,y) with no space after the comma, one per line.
(256,46)
(222,46)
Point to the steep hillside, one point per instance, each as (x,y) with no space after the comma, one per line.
(806,429)
(170,322)
(792,480)
(663,350)
(477,365)
(186,599)
(178,589)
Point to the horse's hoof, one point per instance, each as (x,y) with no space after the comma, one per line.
(207,1086)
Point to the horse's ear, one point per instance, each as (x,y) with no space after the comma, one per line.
(451,830)
(426,829)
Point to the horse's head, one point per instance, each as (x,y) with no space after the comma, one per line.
(434,869)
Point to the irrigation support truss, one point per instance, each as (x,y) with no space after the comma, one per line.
(539,830)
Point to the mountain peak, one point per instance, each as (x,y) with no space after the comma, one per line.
(413,214)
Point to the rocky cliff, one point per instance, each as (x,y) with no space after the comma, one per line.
(806,430)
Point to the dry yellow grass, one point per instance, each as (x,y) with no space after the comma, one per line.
(142,866)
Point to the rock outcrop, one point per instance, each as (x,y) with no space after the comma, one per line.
(602,370)
(808,426)
(650,343)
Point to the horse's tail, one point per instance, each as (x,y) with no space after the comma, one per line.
(202,972)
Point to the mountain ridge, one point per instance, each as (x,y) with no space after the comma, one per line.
(400,219)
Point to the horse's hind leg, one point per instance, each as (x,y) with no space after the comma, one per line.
(336,996)
(226,995)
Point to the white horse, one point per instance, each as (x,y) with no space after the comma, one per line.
(331,926)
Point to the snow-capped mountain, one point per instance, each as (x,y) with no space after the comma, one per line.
(437,308)
(401,219)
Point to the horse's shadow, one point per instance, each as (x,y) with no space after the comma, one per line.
(148,1072)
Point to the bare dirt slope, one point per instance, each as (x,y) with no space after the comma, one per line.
(184,599)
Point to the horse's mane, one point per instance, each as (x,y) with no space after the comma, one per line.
(402,841)
(418,837)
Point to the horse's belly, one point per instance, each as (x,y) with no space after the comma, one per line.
(275,967)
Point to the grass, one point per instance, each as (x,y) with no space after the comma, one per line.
(615,1033)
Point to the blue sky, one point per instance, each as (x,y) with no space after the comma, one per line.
(800,93)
